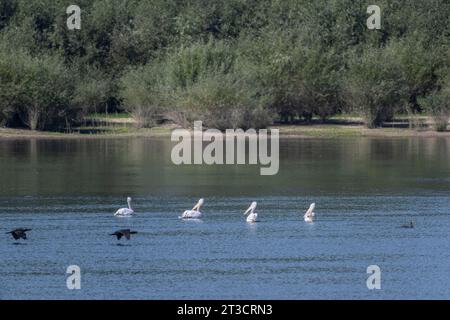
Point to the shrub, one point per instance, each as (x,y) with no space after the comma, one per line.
(170,87)
(223,102)
(145,95)
(373,85)
(419,62)
(437,104)
(294,79)
(36,92)
(185,65)
(92,91)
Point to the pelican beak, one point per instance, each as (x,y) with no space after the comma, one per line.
(196,207)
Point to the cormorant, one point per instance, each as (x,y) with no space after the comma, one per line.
(408,226)
(123,233)
(19,233)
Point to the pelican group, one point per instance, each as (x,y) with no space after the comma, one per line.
(195,212)
(125,212)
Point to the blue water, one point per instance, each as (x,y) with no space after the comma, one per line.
(221,256)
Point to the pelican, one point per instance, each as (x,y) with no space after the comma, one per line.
(309,215)
(125,212)
(19,233)
(195,212)
(252,216)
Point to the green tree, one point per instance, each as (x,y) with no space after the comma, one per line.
(36,92)
(374,86)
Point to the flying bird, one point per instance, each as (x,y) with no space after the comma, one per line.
(123,233)
(19,233)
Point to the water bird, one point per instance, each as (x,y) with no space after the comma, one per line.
(410,225)
(252,215)
(19,233)
(309,215)
(195,212)
(125,212)
(123,233)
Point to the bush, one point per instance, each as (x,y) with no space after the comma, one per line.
(36,92)
(270,64)
(295,80)
(145,95)
(437,104)
(185,65)
(419,62)
(374,86)
(199,82)
(7,11)
(93,91)
(222,102)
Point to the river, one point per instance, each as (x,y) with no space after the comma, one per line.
(67,191)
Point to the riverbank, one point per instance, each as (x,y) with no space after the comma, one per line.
(343,131)
(339,127)
(8,133)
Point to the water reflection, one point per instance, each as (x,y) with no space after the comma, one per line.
(252,226)
(142,166)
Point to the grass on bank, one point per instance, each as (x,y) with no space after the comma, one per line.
(339,126)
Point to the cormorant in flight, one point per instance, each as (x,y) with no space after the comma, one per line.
(123,233)
(19,233)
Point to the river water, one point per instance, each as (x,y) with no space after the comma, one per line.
(67,190)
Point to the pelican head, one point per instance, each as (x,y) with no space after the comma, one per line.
(198,205)
(309,215)
(311,209)
(251,208)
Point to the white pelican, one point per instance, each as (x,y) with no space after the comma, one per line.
(195,212)
(309,215)
(252,216)
(125,212)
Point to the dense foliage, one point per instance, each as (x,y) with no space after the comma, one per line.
(234,63)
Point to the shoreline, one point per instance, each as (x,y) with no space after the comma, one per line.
(314,131)
(357,131)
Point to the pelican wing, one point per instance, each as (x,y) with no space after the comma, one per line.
(191,214)
(252,217)
(124,212)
